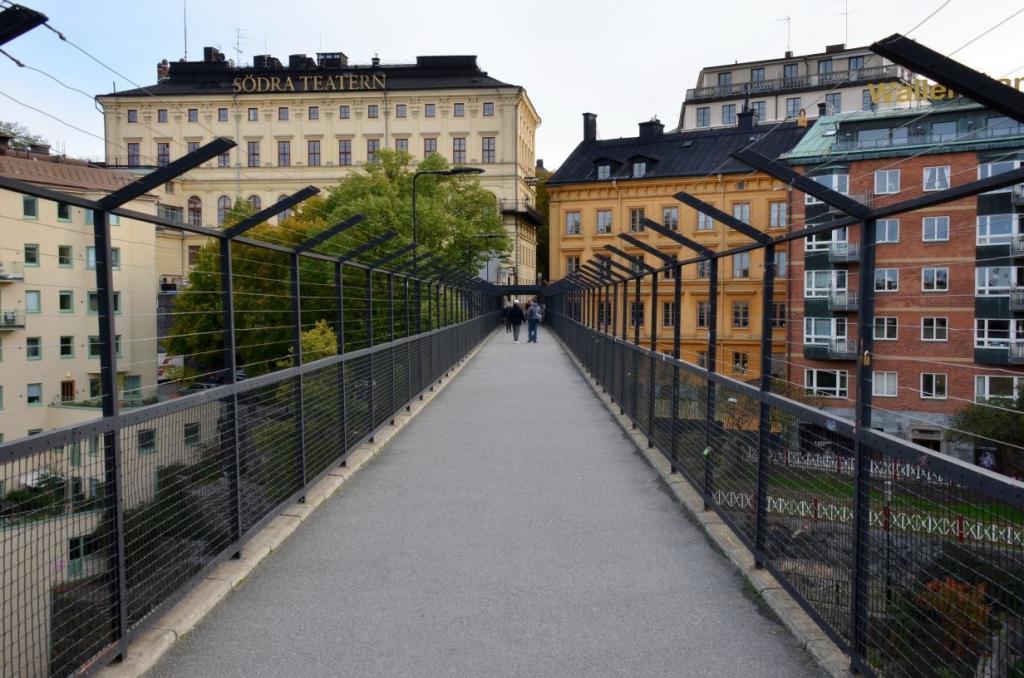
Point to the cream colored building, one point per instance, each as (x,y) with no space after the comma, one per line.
(840,78)
(312,122)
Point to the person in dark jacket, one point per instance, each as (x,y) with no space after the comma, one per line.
(533,318)
(516,317)
(504,316)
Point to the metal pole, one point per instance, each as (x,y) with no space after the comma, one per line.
(339,286)
(764,410)
(710,425)
(227,289)
(677,295)
(408,358)
(369,343)
(297,344)
(391,338)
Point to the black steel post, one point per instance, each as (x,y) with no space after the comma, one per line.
(408,356)
(227,291)
(112,457)
(637,321)
(652,372)
(677,296)
(391,338)
(297,347)
(339,288)
(710,425)
(764,409)
(369,342)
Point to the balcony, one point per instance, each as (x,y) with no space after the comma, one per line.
(524,209)
(800,82)
(1017,245)
(12,320)
(929,139)
(837,348)
(1017,299)
(841,301)
(11,271)
(843,253)
(1016,356)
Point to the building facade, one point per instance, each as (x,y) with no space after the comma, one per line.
(312,122)
(792,87)
(606,187)
(947,331)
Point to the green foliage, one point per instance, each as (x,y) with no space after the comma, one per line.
(543,231)
(21,137)
(999,419)
(318,342)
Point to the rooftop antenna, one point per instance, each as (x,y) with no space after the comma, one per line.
(238,45)
(789,30)
(846,20)
(184,24)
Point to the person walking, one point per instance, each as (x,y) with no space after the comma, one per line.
(533,317)
(504,315)
(516,318)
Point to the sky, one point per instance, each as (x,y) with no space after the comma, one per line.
(625,61)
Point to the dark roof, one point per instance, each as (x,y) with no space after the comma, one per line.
(199,77)
(678,154)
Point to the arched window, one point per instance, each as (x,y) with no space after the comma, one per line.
(223,207)
(256,203)
(286,214)
(195,211)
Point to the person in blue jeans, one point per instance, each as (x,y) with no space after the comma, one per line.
(533,318)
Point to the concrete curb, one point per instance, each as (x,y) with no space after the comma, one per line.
(810,636)
(146,650)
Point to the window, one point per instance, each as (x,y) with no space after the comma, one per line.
(991,169)
(161,115)
(373,111)
(780,264)
(702,359)
(31,254)
(34,394)
(760,108)
(933,386)
(935,279)
(704,116)
(934,329)
(224,159)
(254,115)
(792,107)
(636,220)
(95,347)
(572,223)
(195,211)
(33,303)
(193,252)
(64,256)
(887,230)
(253,153)
(779,315)
(604,221)
(741,265)
(255,202)
(823,283)
(488,109)
(67,347)
(63,211)
(192,434)
(668,314)
(344,112)
(313,152)
(837,182)
(636,314)
(115,258)
(887,280)
(222,115)
(639,169)
(884,384)
(834,103)
(344,151)
(430,110)
(887,181)
(284,153)
(146,440)
(93,302)
(703,268)
(488,149)
(282,113)
(66,301)
(223,207)
(824,241)
(133,115)
(133,154)
(866,102)
(729,114)
(936,178)
(401,110)
(460,110)
(855,63)
(987,387)
(789,70)
(703,314)
(935,229)
(604,172)
(991,333)
(704,222)
(740,314)
(996,229)
(429,146)
(943,131)
(886,329)
(33,348)
(724,79)
(29,207)
(670,217)
(458,151)
(994,280)
(193,114)
(756,74)
(402,145)
(572,264)
(741,211)
(823,331)
(740,362)
(372,146)
(776,215)
(824,66)
(827,383)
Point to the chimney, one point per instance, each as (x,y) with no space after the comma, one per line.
(540,164)
(163,71)
(39,149)
(375,60)
(651,129)
(833,49)
(822,109)
(589,127)
(789,54)
(746,120)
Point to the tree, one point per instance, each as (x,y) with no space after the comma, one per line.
(543,231)
(999,420)
(20,135)
(317,342)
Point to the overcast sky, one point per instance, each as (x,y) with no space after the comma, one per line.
(625,61)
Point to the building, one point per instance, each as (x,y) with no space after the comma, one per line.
(48,305)
(947,328)
(312,122)
(785,89)
(607,186)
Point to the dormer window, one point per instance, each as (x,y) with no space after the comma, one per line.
(604,171)
(639,168)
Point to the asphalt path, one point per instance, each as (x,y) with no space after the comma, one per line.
(509,530)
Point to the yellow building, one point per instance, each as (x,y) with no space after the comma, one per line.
(311,122)
(607,187)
